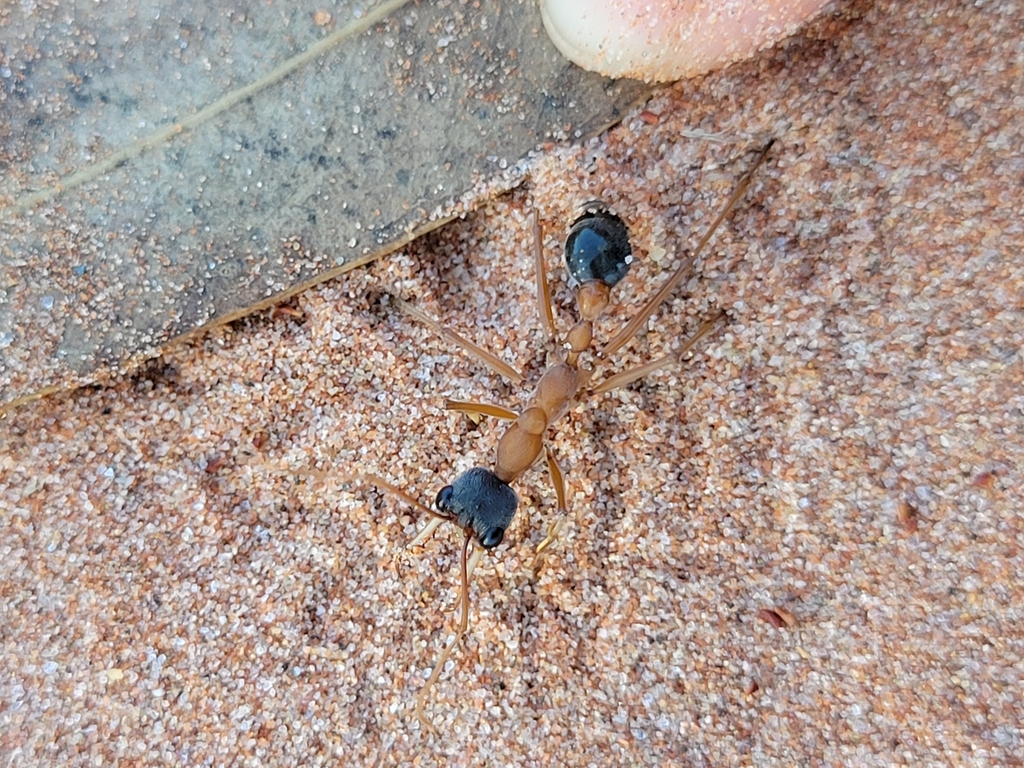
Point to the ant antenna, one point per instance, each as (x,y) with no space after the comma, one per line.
(463,626)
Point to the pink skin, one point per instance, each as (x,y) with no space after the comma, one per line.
(661,40)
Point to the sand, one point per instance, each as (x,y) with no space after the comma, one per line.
(800,545)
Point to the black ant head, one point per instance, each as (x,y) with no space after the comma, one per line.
(597,247)
(478,501)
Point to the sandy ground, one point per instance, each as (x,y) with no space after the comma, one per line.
(802,545)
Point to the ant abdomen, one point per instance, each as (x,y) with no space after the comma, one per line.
(597,247)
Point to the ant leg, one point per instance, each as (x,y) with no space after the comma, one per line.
(628,377)
(558,480)
(629,330)
(474,561)
(463,626)
(482,409)
(547,317)
(481,355)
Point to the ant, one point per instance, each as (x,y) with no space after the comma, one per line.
(481,501)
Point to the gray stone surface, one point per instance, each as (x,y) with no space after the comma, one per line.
(167,166)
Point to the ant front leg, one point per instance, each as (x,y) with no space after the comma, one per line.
(481,409)
(436,518)
(421,699)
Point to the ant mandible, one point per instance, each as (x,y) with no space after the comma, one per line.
(481,501)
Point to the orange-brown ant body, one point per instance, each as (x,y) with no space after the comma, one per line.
(481,500)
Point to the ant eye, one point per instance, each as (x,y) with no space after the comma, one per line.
(492,537)
(444,499)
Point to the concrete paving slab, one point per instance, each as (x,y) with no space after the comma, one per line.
(170,166)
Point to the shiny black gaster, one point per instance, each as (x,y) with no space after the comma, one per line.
(597,247)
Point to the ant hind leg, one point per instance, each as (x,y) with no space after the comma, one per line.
(544,309)
(637,321)
(558,480)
